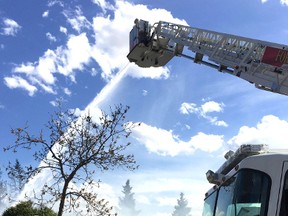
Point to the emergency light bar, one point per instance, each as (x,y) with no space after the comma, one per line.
(232,159)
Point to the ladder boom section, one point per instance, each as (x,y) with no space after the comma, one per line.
(260,62)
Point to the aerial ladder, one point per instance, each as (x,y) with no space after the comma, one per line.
(265,64)
(254,179)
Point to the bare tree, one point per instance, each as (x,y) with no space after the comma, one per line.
(75,149)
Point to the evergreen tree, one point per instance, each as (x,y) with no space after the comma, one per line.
(181,208)
(127,203)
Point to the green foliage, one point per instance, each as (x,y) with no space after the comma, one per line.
(26,209)
(181,208)
(127,203)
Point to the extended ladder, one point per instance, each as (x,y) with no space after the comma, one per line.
(263,63)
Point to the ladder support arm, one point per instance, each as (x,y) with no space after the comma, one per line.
(260,62)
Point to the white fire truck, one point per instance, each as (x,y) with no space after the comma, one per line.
(253,181)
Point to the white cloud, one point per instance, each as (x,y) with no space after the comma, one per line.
(216,122)
(166,201)
(212,106)
(103,4)
(45,14)
(63,30)
(270,130)
(284,2)
(93,72)
(152,73)
(207,142)
(187,127)
(25,68)
(41,70)
(142,199)
(207,107)
(158,183)
(47,88)
(67,91)
(74,56)
(76,19)
(204,110)
(162,214)
(63,60)
(187,108)
(51,37)
(11,27)
(165,143)
(53,103)
(18,82)
(55,2)
(144,92)
(46,66)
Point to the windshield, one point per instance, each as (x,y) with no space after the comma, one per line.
(209,205)
(245,194)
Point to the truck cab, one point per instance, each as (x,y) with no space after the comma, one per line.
(253,181)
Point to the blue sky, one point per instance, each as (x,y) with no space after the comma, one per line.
(190,114)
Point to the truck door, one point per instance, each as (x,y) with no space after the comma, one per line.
(284,191)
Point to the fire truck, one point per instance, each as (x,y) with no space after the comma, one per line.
(253,181)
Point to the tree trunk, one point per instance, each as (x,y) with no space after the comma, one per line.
(62,199)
